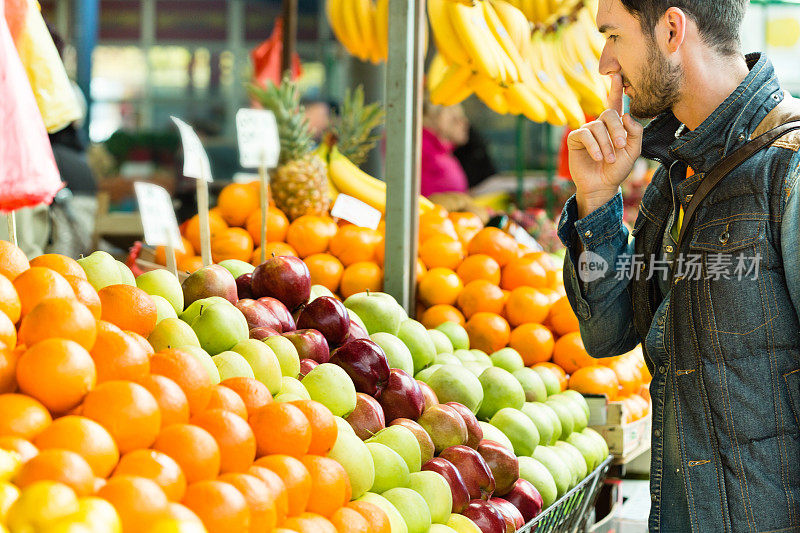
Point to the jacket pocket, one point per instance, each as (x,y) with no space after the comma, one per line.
(729,234)
(792,380)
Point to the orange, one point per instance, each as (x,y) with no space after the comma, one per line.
(277,224)
(227,399)
(495,243)
(488,332)
(480,295)
(156,466)
(64,318)
(595,379)
(141,422)
(378,521)
(434,224)
(326,270)
(439,286)
(233,243)
(259,500)
(441,251)
(534,342)
(439,314)
(236,202)
(185,253)
(281,428)
(561,318)
(310,523)
(128,307)
(171,399)
(85,294)
(277,490)
(330,486)
(629,377)
(253,393)
(193,448)
(23,447)
(13,261)
(523,272)
(467,225)
(323,426)
(551,294)
(66,266)
(180,512)
(237,444)
(10,304)
(354,244)
(347,520)
(190,264)
(8,367)
(139,501)
(57,372)
(39,283)
(570,354)
(526,304)
(311,234)
(188,372)
(274,249)
(380,249)
(479,266)
(142,342)
(421,269)
(192,230)
(22,417)
(8,335)
(557,371)
(85,437)
(118,355)
(360,277)
(219,505)
(64,466)
(295,476)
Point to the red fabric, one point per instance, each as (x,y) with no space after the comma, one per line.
(267,58)
(441,171)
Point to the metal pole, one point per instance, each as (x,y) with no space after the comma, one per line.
(403,132)
(520,141)
(289,33)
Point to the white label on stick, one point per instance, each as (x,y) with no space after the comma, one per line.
(158,217)
(195,159)
(355,211)
(257,132)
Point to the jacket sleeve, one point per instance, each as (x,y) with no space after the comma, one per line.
(597,281)
(790,232)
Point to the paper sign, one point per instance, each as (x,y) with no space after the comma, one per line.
(259,144)
(158,217)
(355,211)
(195,159)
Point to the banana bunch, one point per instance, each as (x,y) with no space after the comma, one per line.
(362,26)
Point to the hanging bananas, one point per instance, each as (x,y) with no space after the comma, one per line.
(362,26)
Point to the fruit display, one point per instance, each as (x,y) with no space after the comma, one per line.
(362,26)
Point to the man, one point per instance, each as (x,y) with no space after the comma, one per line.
(714,297)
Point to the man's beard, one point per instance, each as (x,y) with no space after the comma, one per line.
(660,86)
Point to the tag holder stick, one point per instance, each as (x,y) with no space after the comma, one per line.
(205,227)
(263,176)
(11,219)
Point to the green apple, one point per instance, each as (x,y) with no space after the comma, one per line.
(575,408)
(573,467)
(519,429)
(492,433)
(331,386)
(456,333)
(440,341)
(232,365)
(508,359)
(125,275)
(482,357)
(564,412)
(441,528)
(162,283)
(396,351)
(357,319)
(500,389)
(404,442)
(286,353)
(352,453)
(435,490)
(562,475)
(578,397)
(465,356)
(462,524)
(319,290)
(263,361)
(476,368)
(415,336)
(220,327)
(344,425)
(294,386)
(412,507)
(101,269)
(390,469)
(172,332)
(532,384)
(539,476)
(396,521)
(446,359)
(453,383)
(549,379)
(544,424)
(592,453)
(286,397)
(577,457)
(163,308)
(598,438)
(193,311)
(378,310)
(236,267)
(426,373)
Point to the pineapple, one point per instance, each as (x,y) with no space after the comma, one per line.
(354,127)
(300,183)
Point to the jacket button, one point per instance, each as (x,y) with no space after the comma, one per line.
(662,369)
(688,198)
(588,233)
(654,497)
(669,249)
(657,433)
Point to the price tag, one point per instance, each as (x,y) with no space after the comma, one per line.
(355,211)
(195,159)
(158,217)
(259,144)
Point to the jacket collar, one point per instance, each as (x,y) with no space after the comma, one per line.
(727,128)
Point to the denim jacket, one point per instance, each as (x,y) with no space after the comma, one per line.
(721,334)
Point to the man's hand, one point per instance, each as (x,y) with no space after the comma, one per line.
(602,153)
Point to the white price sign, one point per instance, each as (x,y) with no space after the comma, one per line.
(158,217)
(257,131)
(195,159)
(355,211)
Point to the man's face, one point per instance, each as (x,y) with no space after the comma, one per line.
(650,79)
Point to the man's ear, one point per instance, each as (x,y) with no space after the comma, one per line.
(674,27)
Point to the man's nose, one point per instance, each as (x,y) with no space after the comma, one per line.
(608,61)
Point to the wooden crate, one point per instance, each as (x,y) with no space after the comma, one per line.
(623,439)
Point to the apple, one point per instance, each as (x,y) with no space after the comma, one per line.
(243,284)
(492,433)
(328,316)
(564,414)
(285,278)
(280,311)
(540,477)
(356,330)
(441,528)
(162,283)
(445,426)
(286,353)
(263,361)
(462,524)
(578,398)
(426,448)
(576,409)
(319,290)
(310,344)
(353,454)
(219,327)
(403,441)
(544,424)
(102,270)
(379,311)
(237,267)
(291,385)
(511,514)
(288,397)
(446,359)
(465,356)
(441,342)
(481,356)
(390,469)
(331,386)
(519,429)
(171,333)
(592,453)
(396,523)
(201,355)
(435,490)
(425,374)
(552,461)
(415,337)
(192,311)
(503,464)
(500,389)
(486,516)
(526,498)
(211,280)
(532,384)
(397,353)
(412,507)
(365,363)
(458,488)
(456,333)
(430,397)
(367,417)
(257,315)
(263,333)
(474,431)
(232,365)
(342,424)
(576,458)
(477,476)
(163,308)
(306,366)
(508,359)
(453,383)
(549,379)
(402,397)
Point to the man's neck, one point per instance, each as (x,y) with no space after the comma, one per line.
(709,80)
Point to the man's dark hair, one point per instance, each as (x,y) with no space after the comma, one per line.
(718,21)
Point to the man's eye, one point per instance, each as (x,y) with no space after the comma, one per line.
(612,37)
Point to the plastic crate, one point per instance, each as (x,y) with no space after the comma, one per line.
(570,512)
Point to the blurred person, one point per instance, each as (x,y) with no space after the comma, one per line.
(474,158)
(443,128)
(318,113)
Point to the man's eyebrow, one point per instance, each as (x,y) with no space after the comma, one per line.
(606,27)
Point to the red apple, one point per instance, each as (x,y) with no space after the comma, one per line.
(444,425)
(310,344)
(453,477)
(526,498)
(402,397)
(211,280)
(474,430)
(486,516)
(283,277)
(257,315)
(426,447)
(508,511)
(503,464)
(365,363)
(355,331)
(328,316)
(243,286)
(473,469)
(306,366)
(367,418)
(263,333)
(281,313)
(428,394)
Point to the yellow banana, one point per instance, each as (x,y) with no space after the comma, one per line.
(561,44)
(333,9)
(366,29)
(521,98)
(444,34)
(453,87)
(554,80)
(382,28)
(514,21)
(554,6)
(490,92)
(541,10)
(475,37)
(511,58)
(436,71)
(353,30)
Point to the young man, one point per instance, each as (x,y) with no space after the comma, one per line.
(710,288)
